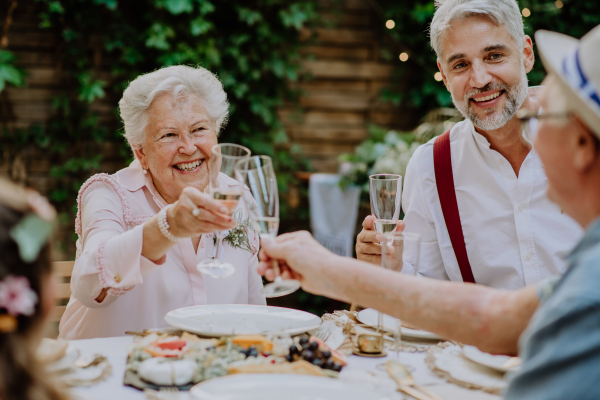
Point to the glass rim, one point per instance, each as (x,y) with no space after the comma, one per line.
(374,177)
(232,145)
(269,162)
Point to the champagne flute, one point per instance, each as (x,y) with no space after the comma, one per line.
(386,194)
(407,250)
(262,201)
(222,163)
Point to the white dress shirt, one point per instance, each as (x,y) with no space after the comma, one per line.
(514,234)
(110,223)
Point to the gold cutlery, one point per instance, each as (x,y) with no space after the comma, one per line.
(406,383)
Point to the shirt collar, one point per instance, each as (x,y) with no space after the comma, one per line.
(590,239)
(132,178)
(480,140)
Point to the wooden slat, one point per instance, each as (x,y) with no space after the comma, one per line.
(316,86)
(31,39)
(63,269)
(27,94)
(328,165)
(43,76)
(63,291)
(56,313)
(330,134)
(339,36)
(338,101)
(333,149)
(358,53)
(323,118)
(347,70)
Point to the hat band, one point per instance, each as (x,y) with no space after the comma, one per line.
(576,77)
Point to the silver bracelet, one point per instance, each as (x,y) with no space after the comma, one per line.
(163,225)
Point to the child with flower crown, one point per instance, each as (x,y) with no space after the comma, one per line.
(26,292)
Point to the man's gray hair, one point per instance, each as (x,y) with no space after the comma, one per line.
(501,12)
(180,81)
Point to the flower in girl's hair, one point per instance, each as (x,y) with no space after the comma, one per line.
(16,296)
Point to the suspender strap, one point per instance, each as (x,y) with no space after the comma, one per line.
(444,180)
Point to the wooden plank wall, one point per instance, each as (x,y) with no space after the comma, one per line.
(342,97)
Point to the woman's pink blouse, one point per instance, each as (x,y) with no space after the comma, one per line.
(112,211)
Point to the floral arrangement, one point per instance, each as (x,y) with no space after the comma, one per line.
(384,152)
(238,236)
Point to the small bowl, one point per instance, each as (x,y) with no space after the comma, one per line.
(370,343)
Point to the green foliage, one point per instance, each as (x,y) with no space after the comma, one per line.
(251,45)
(8,72)
(412,20)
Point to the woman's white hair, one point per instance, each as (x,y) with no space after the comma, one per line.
(502,12)
(179,80)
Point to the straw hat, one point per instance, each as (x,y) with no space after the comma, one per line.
(576,63)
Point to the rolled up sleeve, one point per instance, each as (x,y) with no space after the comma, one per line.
(111,256)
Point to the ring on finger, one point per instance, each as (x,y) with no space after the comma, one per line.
(196,212)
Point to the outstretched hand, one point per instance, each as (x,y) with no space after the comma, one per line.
(368,242)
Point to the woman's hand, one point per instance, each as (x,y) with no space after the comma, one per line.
(210,216)
(300,257)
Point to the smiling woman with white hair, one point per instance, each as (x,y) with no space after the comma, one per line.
(143,230)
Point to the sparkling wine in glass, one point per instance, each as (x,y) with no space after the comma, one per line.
(262,201)
(385,192)
(222,163)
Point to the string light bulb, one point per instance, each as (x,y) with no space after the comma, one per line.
(390,24)
(437,76)
(558,4)
(526,12)
(403,57)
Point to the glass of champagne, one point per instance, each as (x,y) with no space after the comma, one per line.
(407,248)
(385,192)
(222,163)
(262,201)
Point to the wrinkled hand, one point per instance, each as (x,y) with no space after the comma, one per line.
(299,256)
(368,242)
(211,215)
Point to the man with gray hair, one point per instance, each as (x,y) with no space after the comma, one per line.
(476,194)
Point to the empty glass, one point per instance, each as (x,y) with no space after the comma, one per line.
(407,247)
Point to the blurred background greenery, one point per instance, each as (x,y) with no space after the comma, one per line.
(255,47)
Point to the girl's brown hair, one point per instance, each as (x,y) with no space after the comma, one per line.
(21,375)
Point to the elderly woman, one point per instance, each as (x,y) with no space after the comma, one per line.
(143,230)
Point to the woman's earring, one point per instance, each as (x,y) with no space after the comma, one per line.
(144,172)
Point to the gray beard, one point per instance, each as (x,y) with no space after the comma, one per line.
(515,97)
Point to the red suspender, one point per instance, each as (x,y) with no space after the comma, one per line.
(442,161)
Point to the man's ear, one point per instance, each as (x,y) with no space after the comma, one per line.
(586,148)
(141,156)
(528,55)
(443,75)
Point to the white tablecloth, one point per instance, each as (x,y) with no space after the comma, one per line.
(116,351)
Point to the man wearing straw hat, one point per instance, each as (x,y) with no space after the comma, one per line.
(476,194)
(557,321)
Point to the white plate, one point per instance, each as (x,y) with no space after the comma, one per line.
(241,319)
(368,316)
(495,362)
(281,386)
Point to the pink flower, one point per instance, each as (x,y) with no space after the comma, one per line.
(16,296)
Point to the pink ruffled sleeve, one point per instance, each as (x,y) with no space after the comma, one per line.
(110,254)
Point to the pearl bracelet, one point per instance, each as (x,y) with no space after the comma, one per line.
(163,225)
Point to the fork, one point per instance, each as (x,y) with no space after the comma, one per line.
(169,393)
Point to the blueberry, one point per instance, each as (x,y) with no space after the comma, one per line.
(289,358)
(328,364)
(326,354)
(318,362)
(303,341)
(309,355)
(252,352)
(313,346)
(210,348)
(336,367)
(294,349)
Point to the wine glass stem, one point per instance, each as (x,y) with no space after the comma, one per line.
(219,245)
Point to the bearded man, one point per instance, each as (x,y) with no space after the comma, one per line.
(477,194)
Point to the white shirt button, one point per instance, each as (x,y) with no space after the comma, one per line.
(501,161)
(528,256)
(521,207)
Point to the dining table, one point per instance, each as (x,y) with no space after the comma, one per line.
(115,349)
